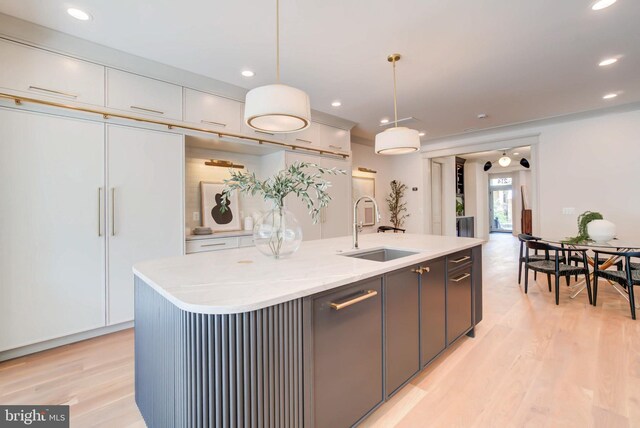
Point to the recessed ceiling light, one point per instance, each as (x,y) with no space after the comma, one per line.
(247,73)
(609,96)
(383,121)
(336,104)
(608,61)
(516,153)
(483,116)
(601,4)
(78,14)
(421,134)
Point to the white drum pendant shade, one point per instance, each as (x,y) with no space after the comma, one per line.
(397,141)
(277,108)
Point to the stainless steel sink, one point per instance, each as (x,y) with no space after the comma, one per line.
(381,254)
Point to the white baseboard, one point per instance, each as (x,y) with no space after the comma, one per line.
(54,343)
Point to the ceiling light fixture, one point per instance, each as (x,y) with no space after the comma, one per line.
(247,73)
(505,160)
(516,153)
(608,61)
(277,108)
(384,121)
(483,116)
(421,134)
(336,104)
(399,139)
(79,14)
(602,4)
(609,96)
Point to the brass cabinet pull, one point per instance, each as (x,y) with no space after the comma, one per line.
(461,277)
(99,211)
(214,245)
(366,295)
(263,132)
(210,122)
(51,91)
(335,147)
(149,110)
(421,270)
(461,259)
(304,141)
(113,211)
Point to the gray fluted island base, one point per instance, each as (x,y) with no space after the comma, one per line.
(197,370)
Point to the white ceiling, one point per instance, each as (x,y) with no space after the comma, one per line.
(516,60)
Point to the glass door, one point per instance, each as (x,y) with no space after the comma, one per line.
(501,204)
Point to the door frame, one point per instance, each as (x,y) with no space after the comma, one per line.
(490,195)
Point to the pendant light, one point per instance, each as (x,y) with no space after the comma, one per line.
(399,139)
(277,108)
(505,160)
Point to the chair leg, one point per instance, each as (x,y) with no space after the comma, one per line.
(549,282)
(567,278)
(557,288)
(535,274)
(587,278)
(595,290)
(526,279)
(519,271)
(632,301)
(576,265)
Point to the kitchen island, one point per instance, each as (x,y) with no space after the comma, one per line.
(321,339)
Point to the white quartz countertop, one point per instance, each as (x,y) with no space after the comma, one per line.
(243,279)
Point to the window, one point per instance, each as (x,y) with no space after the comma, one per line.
(502,181)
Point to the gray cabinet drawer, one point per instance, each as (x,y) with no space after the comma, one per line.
(347,354)
(458,303)
(432,310)
(459,259)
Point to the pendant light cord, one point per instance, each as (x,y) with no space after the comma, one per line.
(278,41)
(395,100)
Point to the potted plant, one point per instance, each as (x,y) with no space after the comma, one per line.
(277,233)
(397,207)
(593,227)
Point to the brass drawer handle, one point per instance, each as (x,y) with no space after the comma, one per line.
(148,110)
(421,270)
(51,91)
(262,132)
(304,141)
(210,122)
(461,259)
(335,147)
(366,295)
(214,245)
(461,277)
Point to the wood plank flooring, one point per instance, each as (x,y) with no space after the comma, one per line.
(532,363)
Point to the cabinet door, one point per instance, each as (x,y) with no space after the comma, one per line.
(43,73)
(402,327)
(334,139)
(336,217)
(458,303)
(432,310)
(142,95)
(52,246)
(145,207)
(347,354)
(309,137)
(212,112)
(310,231)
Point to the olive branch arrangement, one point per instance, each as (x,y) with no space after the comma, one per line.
(397,207)
(299,179)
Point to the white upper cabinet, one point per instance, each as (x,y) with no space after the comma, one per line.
(143,95)
(45,74)
(334,139)
(309,137)
(212,112)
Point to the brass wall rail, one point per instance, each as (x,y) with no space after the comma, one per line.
(170,125)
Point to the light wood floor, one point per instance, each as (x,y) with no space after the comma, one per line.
(532,363)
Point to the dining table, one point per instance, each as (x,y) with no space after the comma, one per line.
(618,245)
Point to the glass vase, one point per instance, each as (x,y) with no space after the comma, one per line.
(277,233)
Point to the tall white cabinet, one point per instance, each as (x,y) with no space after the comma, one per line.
(52,249)
(144,181)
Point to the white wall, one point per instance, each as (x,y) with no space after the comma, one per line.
(586,163)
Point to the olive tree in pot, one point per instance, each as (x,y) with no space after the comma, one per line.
(397,207)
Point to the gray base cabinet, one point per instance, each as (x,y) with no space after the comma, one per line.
(402,327)
(433,310)
(346,363)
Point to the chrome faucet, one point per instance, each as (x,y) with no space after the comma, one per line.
(357,227)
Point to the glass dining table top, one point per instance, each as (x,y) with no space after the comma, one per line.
(613,245)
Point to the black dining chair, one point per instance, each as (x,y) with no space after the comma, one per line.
(576,259)
(627,278)
(524,238)
(554,267)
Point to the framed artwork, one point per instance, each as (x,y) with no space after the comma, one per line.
(210,199)
(364,186)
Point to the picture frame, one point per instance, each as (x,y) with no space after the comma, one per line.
(210,198)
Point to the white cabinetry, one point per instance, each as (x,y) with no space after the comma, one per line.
(212,112)
(52,227)
(145,173)
(41,73)
(334,219)
(142,95)
(334,139)
(309,137)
